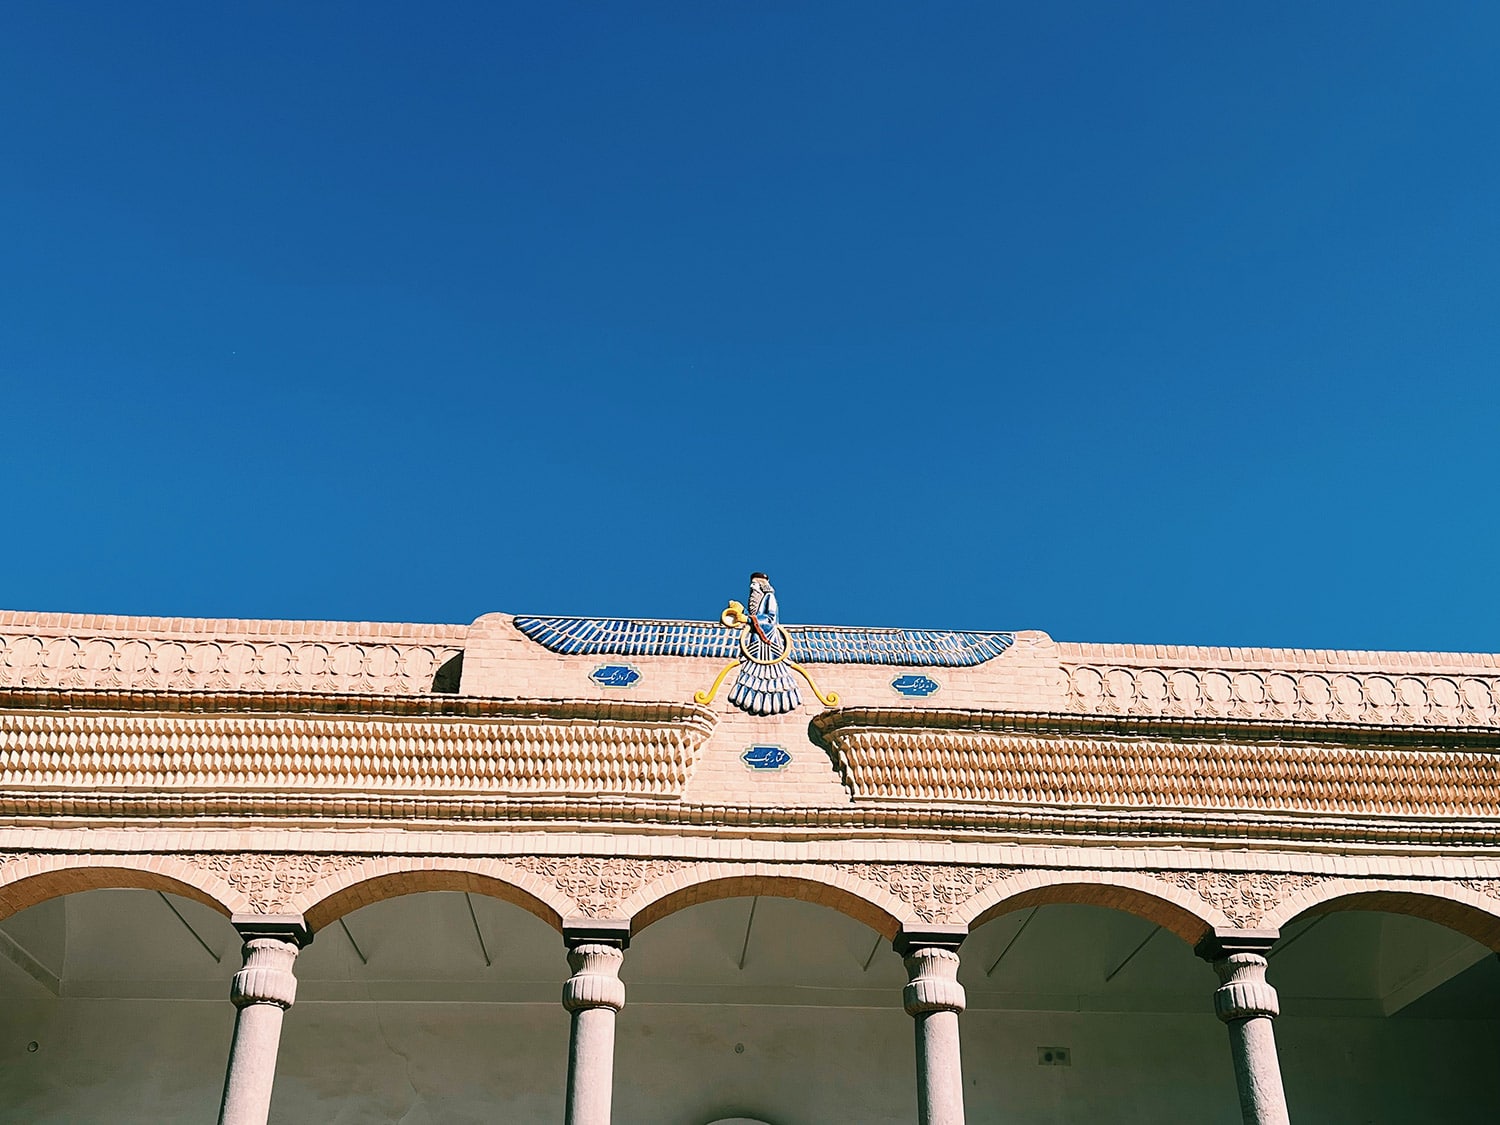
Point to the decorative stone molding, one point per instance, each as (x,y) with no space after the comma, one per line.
(220,664)
(933,893)
(599,885)
(1327,695)
(932,757)
(640,750)
(1490,888)
(1245,898)
(266,883)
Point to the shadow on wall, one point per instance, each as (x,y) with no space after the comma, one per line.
(447,678)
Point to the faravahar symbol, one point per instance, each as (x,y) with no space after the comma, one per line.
(765,684)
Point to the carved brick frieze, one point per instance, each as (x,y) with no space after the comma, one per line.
(1245,898)
(985,761)
(271,883)
(934,893)
(1290,694)
(599,885)
(1490,888)
(9,858)
(154,754)
(220,664)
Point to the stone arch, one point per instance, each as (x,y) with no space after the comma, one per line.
(29,879)
(838,890)
(392,876)
(1472,913)
(1170,907)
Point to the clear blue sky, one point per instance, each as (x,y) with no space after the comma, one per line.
(1168,322)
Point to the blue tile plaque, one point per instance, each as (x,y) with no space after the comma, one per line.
(614,675)
(765,757)
(914,685)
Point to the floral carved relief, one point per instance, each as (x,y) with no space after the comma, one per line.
(599,885)
(1245,898)
(933,893)
(1490,888)
(271,883)
(8,859)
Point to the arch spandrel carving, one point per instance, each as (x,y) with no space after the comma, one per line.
(600,886)
(1245,898)
(931,893)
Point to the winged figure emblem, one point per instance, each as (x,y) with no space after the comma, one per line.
(767,658)
(766,684)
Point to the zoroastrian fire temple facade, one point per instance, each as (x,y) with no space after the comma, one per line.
(1122,882)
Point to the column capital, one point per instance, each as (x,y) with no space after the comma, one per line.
(267,977)
(289,928)
(592,932)
(595,982)
(1239,958)
(1216,945)
(932,981)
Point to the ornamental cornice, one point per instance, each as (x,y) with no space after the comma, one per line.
(994,758)
(655,816)
(142,756)
(172,705)
(1174,727)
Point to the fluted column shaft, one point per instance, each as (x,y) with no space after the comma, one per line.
(593,994)
(1247,1004)
(934,998)
(262,991)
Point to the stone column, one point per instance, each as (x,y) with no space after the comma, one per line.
(262,991)
(593,994)
(1248,1004)
(933,997)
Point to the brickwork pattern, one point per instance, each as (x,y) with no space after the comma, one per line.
(881,762)
(1442,689)
(185,654)
(151,752)
(280,768)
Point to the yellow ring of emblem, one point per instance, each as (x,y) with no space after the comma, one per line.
(786,651)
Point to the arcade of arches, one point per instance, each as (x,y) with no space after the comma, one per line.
(552,875)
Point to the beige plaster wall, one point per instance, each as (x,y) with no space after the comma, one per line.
(158,1062)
